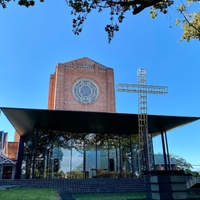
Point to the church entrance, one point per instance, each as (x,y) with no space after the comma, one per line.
(7,172)
(7,168)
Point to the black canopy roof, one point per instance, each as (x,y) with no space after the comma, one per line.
(25,120)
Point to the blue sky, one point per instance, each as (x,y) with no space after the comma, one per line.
(34,40)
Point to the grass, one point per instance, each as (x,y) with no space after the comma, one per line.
(52,194)
(109,196)
(29,194)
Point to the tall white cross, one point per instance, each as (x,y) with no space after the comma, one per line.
(145,140)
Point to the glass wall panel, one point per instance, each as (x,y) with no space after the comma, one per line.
(101,148)
(113,159)
(90,155)
(104,157)
(43,155)
(64,163)
(135,155)
(26,169)
(72,164)
(54,154)
(125,152)
(65,150)
(76,162)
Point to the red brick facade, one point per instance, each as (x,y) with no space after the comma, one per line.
(62,82)
(13,150)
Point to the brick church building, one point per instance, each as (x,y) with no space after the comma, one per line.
(82,84)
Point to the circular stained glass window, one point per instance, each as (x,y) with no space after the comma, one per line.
(85,91)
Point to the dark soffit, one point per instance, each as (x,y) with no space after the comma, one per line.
(24,120)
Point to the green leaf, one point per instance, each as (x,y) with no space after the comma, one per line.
(153,14)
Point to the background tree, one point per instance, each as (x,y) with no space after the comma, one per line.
(182,163)
(190,21)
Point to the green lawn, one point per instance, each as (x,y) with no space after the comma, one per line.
(52,194)
(109,196)
(29,194)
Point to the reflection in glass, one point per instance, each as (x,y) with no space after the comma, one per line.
(55,154)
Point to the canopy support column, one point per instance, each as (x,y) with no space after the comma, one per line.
(164,150)
(19,158)
(1,171)
(168,158)
(36,132)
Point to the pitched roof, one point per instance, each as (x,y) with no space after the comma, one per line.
(159,160)
(4,160)
(84,62)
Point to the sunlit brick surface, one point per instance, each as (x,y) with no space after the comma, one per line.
(61,95)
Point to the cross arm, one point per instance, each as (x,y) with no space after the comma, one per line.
(150,89)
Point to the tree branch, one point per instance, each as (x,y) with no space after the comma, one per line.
(142,4)
(189,22)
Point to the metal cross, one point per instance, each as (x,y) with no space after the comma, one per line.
(145,161)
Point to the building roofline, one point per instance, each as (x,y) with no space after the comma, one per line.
(24,120)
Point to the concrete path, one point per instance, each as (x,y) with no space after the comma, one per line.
(7,187)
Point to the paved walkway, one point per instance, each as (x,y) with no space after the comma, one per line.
(65,196)
(6,187)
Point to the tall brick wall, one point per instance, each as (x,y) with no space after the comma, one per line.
(16,137)
(61,95)
(51,92)
(13,150)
